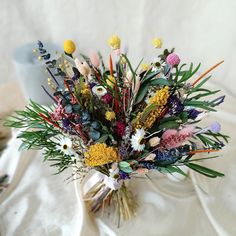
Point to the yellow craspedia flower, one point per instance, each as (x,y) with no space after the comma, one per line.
(114,42)
(111,81)
(145,66)
(110,115)
(69,46)
(122,60)
(157,43)
(100,154)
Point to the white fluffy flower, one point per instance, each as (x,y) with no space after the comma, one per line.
(150,157)
(154,141)
(99,90)
(65,146)
(137,139)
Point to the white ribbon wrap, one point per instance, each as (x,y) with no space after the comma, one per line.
(96,177)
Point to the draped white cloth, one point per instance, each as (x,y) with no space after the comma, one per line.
(39,203)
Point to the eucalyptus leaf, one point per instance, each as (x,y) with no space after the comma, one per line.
(125,167)
(124,164)
(171,118)
(160,81)
(127,170)
(141,93)
(150,76)
(102,139)
(95,135)
(168,125)
(68,108)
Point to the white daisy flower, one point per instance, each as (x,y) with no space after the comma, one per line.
(65,146)
(136,140)
(99,90)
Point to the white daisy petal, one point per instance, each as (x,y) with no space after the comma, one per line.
(136,140)
(65,146)
(99,90)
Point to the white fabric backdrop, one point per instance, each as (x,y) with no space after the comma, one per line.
(200,30)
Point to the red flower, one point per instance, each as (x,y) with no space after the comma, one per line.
(120,128)
(107,98)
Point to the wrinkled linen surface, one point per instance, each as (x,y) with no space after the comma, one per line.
(39,203)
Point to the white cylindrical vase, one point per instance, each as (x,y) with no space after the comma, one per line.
(31,73)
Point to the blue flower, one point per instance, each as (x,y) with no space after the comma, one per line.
(193,113)
(176,105)
(218,101)
(164,158)
(123,175)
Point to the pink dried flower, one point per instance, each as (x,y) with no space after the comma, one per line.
(173,59)
(58,113)
(83,68)
(136,85)
(120,128)
(172,138)
(94,58)
(107,98)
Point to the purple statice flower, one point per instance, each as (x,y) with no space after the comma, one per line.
(123,175)
(148,165)
(176,105)
(76,74)
(74,78)
(123,152)
(215,127)
(164,158)
(92,84)
(193,113)
(66,124)
(218,101)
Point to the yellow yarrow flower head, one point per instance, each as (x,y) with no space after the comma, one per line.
(110,115)
(100,154)
(157,43)
(111,81)
(69,46)
(114,42)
